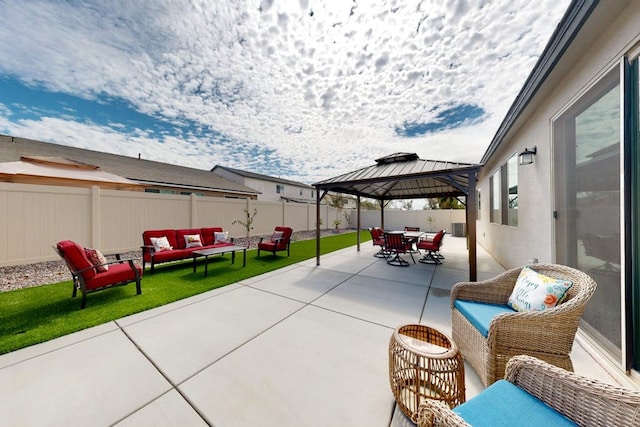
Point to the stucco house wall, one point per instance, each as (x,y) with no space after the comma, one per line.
(596,50)
(609,34)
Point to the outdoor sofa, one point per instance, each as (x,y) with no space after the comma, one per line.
(174,245)
(536,393)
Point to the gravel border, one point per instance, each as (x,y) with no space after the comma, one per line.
(42,273)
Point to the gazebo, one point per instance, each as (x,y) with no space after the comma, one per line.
(405,176)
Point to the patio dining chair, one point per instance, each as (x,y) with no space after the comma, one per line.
(489,330)
(432,249)
(396,244)
(377,238)
(537,393)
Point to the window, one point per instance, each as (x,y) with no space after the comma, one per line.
(494,197)
(157,191)
(313,194)
(586,147)
(301,191)
(279,188)
(479,212)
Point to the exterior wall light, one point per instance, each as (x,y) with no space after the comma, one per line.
(526,157)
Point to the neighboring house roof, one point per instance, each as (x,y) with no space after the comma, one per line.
(548,64)
(254,175)
(62,172)
(142,171)
(404,176)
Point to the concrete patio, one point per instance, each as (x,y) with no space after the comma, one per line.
(301,346)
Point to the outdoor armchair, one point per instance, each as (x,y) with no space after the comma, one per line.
(280,241)
(537,393)
(89,276)
(489,332)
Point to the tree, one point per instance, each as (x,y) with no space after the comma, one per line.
(406,205)
(370,204)
(449,203)
(248,224)
(337,200)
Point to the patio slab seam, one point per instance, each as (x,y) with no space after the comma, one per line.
(166,377)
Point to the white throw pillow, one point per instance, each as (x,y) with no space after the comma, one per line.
(192,241)
(277,235)
(536,292)
(161,244)
(220,237)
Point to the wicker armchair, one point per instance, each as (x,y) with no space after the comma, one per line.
(547,334)
(585,401)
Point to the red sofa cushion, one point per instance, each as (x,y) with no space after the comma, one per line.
(173,255)
(208,235)
(117,273)
(74,254)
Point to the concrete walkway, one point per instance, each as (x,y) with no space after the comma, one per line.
(301,346)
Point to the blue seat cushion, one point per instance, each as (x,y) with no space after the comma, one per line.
(480,314)
(504,404)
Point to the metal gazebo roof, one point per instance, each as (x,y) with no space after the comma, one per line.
(406,176)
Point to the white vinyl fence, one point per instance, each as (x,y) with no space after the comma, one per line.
(33,218)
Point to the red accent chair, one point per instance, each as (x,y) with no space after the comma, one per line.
(280,241)
(86,276)
(432,248)
(377,238)
(396,244)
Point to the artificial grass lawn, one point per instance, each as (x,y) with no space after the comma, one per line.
(33,315)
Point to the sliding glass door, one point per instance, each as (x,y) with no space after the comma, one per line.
(587,143)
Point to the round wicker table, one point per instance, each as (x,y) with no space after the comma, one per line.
(424,363)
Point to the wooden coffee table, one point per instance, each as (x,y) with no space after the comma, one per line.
(206,253)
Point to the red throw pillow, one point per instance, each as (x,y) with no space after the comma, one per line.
(96,258)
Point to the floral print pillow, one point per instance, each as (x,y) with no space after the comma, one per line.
(536,292)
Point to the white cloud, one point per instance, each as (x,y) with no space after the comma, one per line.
(323,83)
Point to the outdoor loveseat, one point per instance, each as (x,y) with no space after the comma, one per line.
(537,393)
(174,245)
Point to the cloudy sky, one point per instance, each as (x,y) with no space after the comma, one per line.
(302,89)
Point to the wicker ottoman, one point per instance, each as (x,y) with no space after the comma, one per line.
(424,363)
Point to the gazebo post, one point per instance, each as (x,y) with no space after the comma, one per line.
(318,226)
(358,222)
